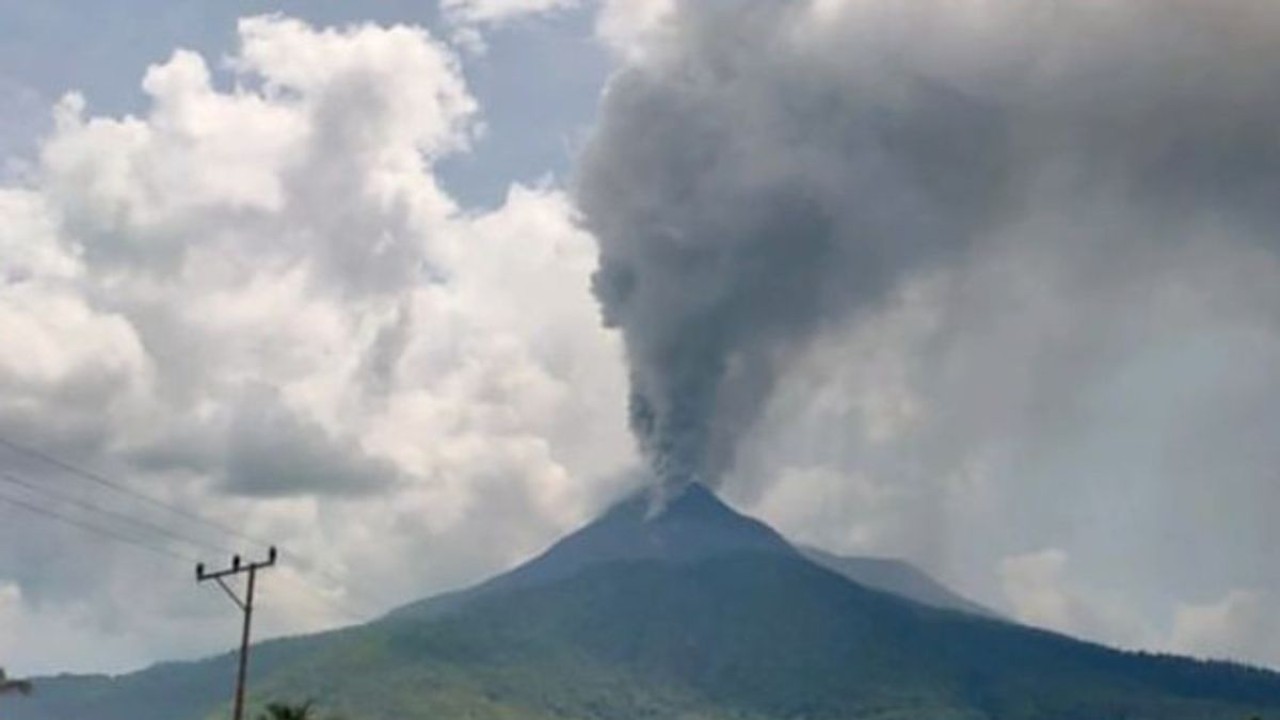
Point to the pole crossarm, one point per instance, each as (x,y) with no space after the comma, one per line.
(230,593)
(236,567)
(246,608)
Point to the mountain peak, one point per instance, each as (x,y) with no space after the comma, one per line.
(691,525)
(694,502)
(697,501)
(685,526)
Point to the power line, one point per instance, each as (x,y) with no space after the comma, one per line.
(346,610)
(315,591)
(93,507)
(125,489)
(93,528)
(304,564)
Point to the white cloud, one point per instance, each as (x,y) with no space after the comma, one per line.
(472,20)
(257,289)
(1043,589)
(493,12)
(632,28)
(1242,625)
(1034,585)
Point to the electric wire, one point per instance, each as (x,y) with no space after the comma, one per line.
(300,581)
(305,565)
(120,487)
(30,507)
(125,517)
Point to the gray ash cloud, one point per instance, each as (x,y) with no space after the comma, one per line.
(771,168)
(747,191)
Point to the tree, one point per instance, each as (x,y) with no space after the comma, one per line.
(8,686)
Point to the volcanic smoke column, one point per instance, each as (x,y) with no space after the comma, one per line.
(744,198)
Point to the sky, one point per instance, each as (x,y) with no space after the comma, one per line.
(990,287)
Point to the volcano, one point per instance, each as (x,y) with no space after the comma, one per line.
(688,610)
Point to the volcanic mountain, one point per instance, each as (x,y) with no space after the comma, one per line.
(690,610)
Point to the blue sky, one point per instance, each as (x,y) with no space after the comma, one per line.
(533,120)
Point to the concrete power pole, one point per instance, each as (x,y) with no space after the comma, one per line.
(246,607)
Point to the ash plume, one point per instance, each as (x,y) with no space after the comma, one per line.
(771,168)
(743,200)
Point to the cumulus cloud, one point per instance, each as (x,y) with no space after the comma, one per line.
(255,301)
(1242,625)
(632,27)
(1034,585)
(472,20)
(491,12)
(1041,590)
(270,450)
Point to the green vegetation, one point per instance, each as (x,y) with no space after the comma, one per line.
(723,622)
(743,638)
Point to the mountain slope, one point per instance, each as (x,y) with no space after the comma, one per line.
(729,622)
(757,636)
(897,577)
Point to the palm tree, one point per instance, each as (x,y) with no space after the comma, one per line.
(8,686)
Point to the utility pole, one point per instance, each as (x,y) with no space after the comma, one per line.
(246,607)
